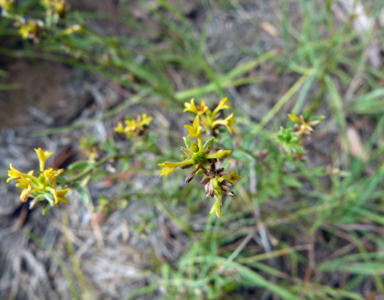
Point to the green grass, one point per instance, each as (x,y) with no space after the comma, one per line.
(301,223)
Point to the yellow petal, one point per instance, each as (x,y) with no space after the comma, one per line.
(190,106)
(25,194)
(59,196)
(216,208)
(145,120)
(294,118)
(119,128)
(42,156)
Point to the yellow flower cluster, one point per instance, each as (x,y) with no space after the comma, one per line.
(133,127)
(40,188)
(210,120)
(55,6)
(7,5)
(199,157)
(303,126)
(30,29)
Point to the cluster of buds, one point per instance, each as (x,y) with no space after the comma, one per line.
(53,7)
(211,119)
(41,188)
(36,29)
(305,125)
(7,6)
(291,138)
(199,156)
(134,127)
(31,29)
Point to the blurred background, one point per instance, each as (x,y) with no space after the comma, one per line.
(308,227)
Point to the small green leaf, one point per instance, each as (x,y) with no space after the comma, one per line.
(40,197)
(188,152)
(242,156)
(247,144)
(209,143)
(46,209)
(306,114)
(292,182)
(49,198)
(317,118)
(84,194)
(79,165)
(110,146)
(187,142)
(226,140)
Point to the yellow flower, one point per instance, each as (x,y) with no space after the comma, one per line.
(231,177)
(145,120)
(14,174)
(216,208)
(7,5)
(227,122)
(169,167)
(45,3)
(133,126)
(29,29)
(222,105)
(59,196)
(73,29)
(303,127)
(191,107)
(42,187)
(194,131)
(202,108)
(51,175)
(26,192)
(119,128)
(42,156)
(60,7)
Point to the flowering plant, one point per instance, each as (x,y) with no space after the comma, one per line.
(199,156)
(211,119)
(41,188)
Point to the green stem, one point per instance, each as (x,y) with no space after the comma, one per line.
(200,142)
(102,161)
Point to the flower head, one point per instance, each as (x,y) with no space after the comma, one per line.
(304,127)
(145,120)
(202,108)
(211,120)
(55,6)
(134,127)
(216,208)
(7,5)
(194,130)
(231,177)
(227,122)
(169,167)
(42,156)
(200,157)
(40,188)
(222,105)
(73,29)
(191,107)
(30,30)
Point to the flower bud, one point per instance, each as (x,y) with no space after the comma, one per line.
(194,147)
(221,154)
